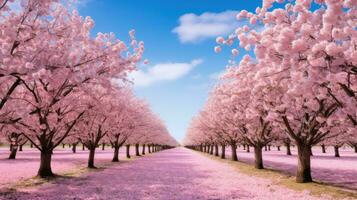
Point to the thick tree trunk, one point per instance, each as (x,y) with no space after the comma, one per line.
(258,157)
(234,152)
(103,146)
(337,152)
(149,150)
(311,154)
(45,164)
(223,153)
(128,150)
(248,148)
(137,152)
(216,153)
(278,147)
(323,148)
(13,152)
(91,157)
(20,149)
(74,148)
(143,150)
(288,149)
(116,154)
(303,174)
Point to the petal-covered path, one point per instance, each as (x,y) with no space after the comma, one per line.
(172,174)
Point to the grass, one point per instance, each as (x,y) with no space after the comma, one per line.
(316,188)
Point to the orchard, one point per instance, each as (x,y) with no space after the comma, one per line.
(57,85)
(71,101)
(296,84)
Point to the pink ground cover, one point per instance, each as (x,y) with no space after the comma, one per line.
(27,162)
(340,171)
(172,174)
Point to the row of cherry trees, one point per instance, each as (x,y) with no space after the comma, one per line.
(299,87)
(60,85)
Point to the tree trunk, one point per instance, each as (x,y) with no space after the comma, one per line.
(311,154)
(234,152)
(63,145)
(83,148)
(355,148)
(337,152)
(143,150)
(204,149)
(20,149)
(128,150)
(303,174)
(323,148)
(278,147)
(45,164)
(149,150)
(216,153)
(13,152)
(91,157)
(74,148)
(265,148)
(223,153)
(31,145)
(248,149)
(269,147)
(288,150)
(243,146)
(116,154)
(211,152)
(258,157)
(10,148)
(103,146)
(137,152)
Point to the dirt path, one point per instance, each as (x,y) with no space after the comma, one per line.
(172,174)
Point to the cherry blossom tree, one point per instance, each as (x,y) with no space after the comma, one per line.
(127,110)
(21,34)
(309,56)
(67,59)
(14,137)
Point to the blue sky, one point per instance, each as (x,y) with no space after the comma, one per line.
(179,38)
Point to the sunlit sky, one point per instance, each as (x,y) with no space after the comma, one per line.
(179,38)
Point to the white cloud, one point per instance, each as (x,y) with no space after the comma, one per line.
(163,72)
(194,28)
(217,75)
